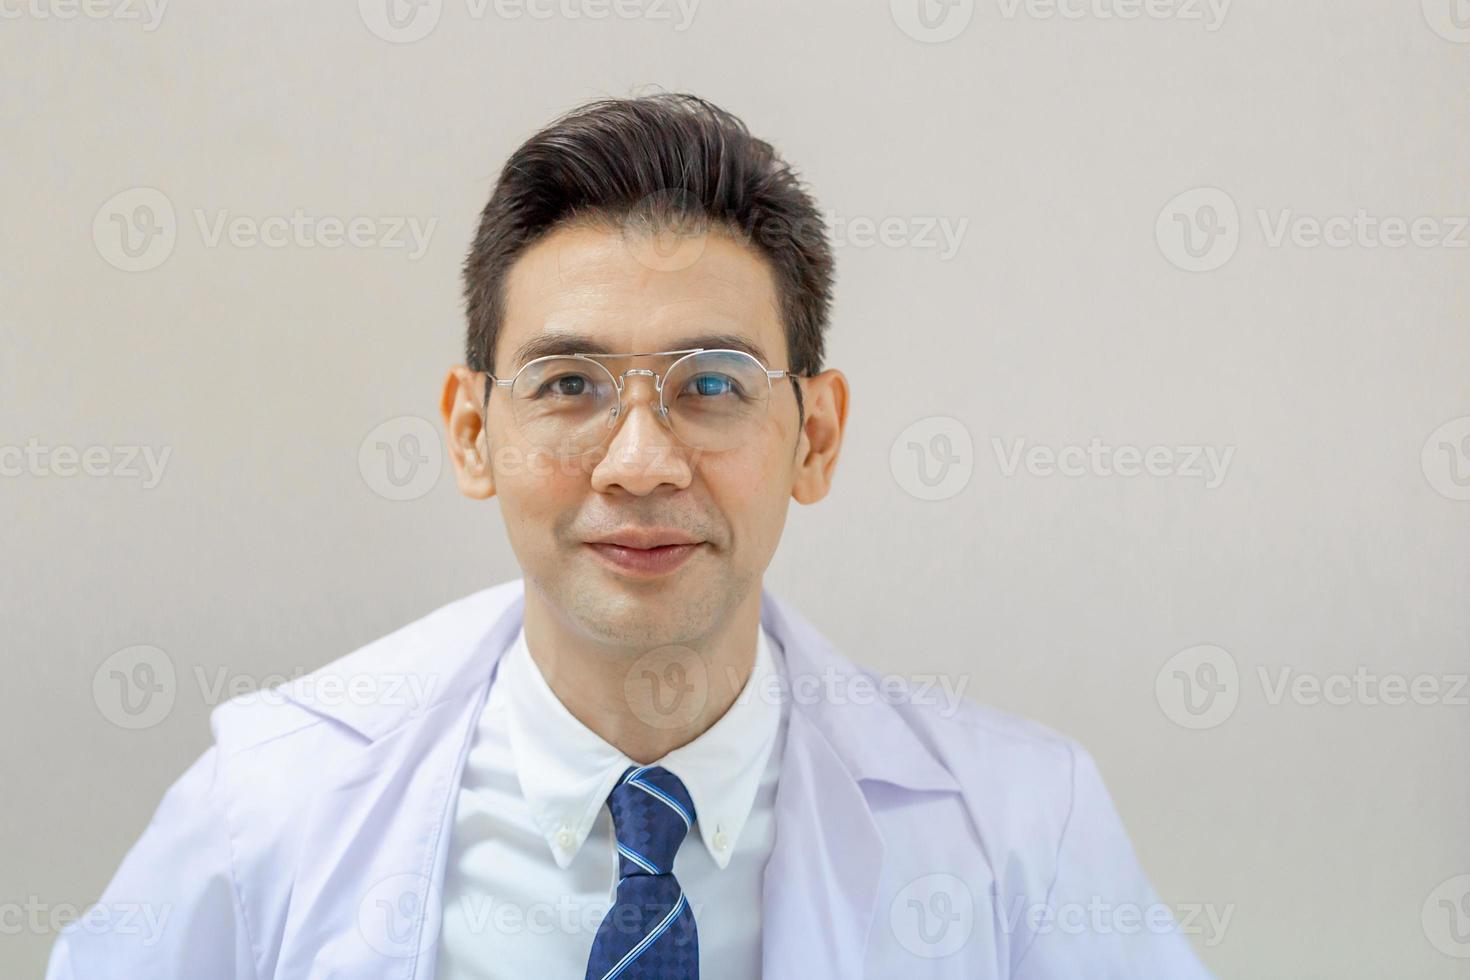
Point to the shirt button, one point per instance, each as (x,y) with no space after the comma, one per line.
(564,838)
(721,841)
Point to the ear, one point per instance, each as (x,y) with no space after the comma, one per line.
(825,396)
(464,430)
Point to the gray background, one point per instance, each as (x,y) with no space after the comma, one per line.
(1336,542)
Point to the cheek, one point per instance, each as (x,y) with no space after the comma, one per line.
(748,486)
(534,487)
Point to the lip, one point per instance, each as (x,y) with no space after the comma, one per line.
(646,537)
(644,562)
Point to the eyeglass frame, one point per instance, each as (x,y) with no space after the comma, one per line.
(620,380)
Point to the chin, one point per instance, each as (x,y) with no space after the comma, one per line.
(639,615)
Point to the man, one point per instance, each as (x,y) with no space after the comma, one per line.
(634,761)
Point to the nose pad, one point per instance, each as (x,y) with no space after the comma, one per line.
(654,402)
(659,412)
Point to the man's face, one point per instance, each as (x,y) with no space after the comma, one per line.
(621,291)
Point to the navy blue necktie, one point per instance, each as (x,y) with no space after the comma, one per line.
(649,932)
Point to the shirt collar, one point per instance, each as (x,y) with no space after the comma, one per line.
(566,770)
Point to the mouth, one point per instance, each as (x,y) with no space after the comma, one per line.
(644,562)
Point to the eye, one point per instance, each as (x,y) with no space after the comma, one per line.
(564,386)
(713,385)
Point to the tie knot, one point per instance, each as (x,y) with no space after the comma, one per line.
(651,813)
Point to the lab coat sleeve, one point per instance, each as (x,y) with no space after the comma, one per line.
(172,909)
(1101,917)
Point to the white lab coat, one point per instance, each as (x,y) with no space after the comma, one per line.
(309,840)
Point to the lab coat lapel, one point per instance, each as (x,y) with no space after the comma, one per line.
(369,872)
(366,898)
(822,880)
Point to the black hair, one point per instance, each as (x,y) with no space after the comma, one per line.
(668,158)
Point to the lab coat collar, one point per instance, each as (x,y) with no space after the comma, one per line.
(376,835)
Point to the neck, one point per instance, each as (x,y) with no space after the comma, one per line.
(645,701)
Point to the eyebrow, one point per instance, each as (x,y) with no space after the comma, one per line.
(566,342)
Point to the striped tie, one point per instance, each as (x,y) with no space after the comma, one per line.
(649,932)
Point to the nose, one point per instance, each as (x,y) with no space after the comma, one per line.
(643,454)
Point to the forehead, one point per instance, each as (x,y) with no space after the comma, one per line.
(592,288)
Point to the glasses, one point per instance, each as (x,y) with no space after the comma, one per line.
(568,404)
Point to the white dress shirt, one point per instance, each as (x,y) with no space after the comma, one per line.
(523,896)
